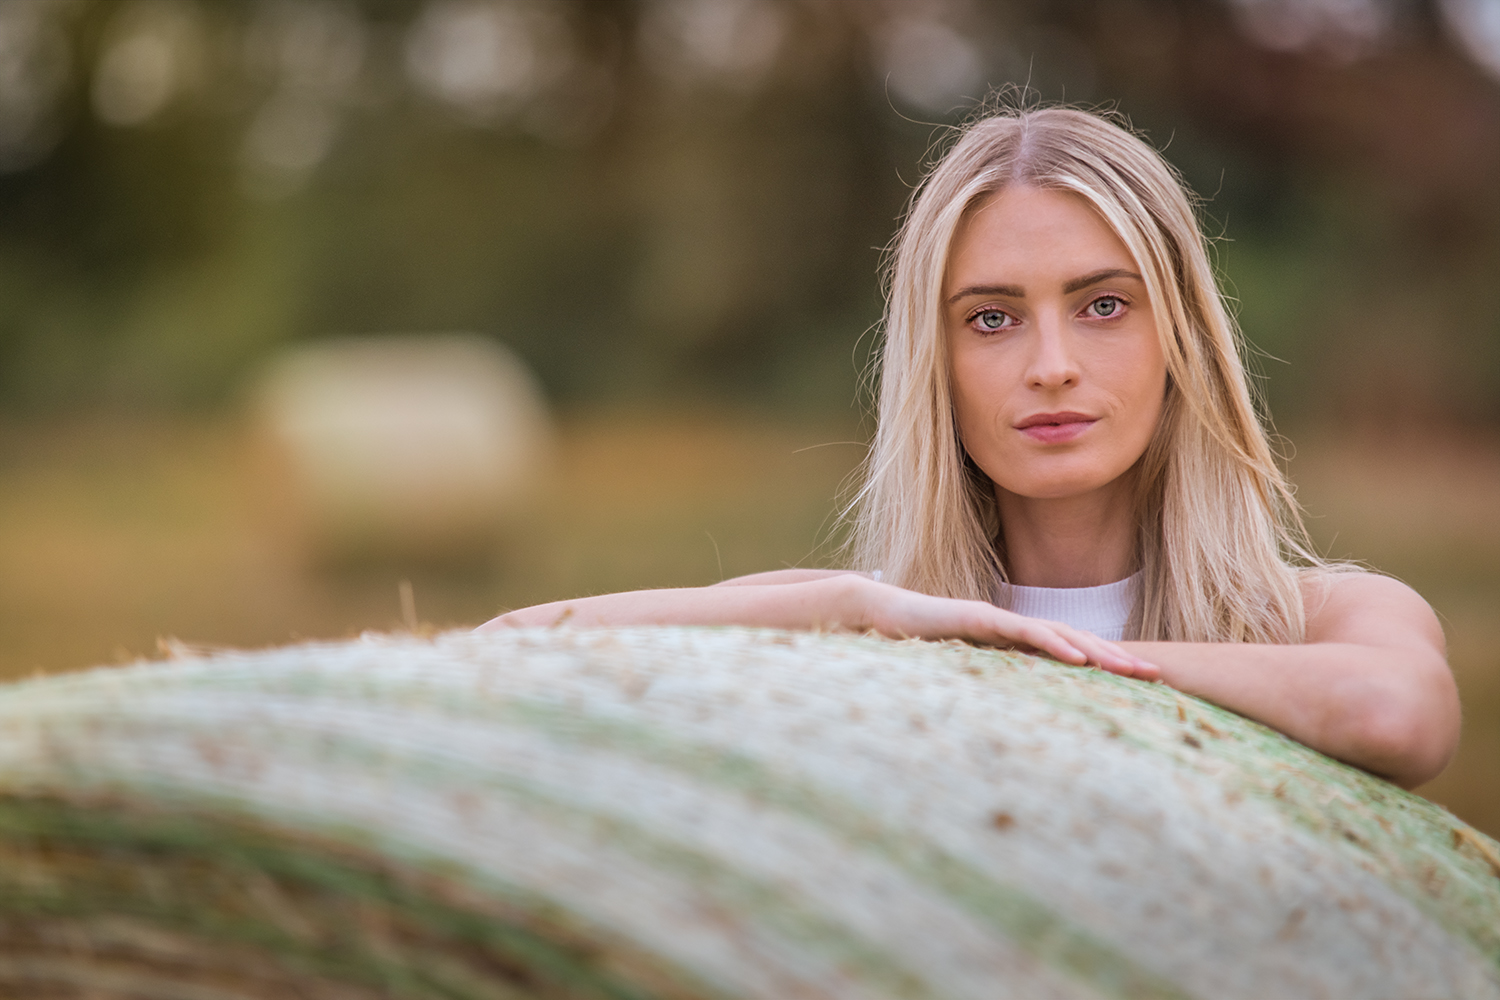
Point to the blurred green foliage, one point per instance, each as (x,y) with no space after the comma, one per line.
(687,198)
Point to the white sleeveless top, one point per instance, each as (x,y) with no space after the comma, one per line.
(1104,611)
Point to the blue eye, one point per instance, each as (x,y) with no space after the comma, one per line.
(1105,306)
(992,319)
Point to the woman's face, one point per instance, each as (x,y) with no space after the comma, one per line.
(1058,378)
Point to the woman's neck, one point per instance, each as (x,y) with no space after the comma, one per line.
(1079,541)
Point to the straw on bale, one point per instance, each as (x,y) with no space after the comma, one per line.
(696,813)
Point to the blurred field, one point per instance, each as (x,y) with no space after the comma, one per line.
(115,535)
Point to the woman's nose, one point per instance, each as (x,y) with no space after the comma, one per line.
(1052,363)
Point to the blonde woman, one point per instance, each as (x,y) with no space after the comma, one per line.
(1067,458)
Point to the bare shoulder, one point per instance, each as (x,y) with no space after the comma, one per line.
(1355,586)
(1354,606)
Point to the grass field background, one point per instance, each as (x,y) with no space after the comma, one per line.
(118,535)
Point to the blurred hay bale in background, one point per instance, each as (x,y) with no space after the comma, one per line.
(417,448)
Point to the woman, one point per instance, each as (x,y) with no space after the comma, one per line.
(1068,459)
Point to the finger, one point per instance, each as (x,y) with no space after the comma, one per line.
(1137,667)
(1141,666)
(1041,636)
(1141,671)
(1107,655)
(1100,651)
(1111,656)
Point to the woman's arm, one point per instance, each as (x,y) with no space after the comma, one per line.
(789,576)
(1371,685)
(818,599)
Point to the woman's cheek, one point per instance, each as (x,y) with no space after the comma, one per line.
(1142,380)
(972,427)
(974,402)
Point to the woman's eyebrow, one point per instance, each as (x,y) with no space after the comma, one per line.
(1017,292)
(1009,291)
(1095,277)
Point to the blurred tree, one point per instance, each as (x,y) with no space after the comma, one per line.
(689,196)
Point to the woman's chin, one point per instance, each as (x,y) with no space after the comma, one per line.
(1062,483)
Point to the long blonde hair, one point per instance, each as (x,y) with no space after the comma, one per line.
(1219,530)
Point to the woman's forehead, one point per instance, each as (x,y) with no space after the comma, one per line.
(1042,232)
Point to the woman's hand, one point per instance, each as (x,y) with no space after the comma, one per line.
(899,613)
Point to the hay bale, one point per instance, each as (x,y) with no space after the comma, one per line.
(688,813)
(424,446)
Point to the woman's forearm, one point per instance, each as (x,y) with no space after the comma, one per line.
(832,602)
(847,601)
(1391,711)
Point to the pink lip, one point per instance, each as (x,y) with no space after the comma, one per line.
(1055,428)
